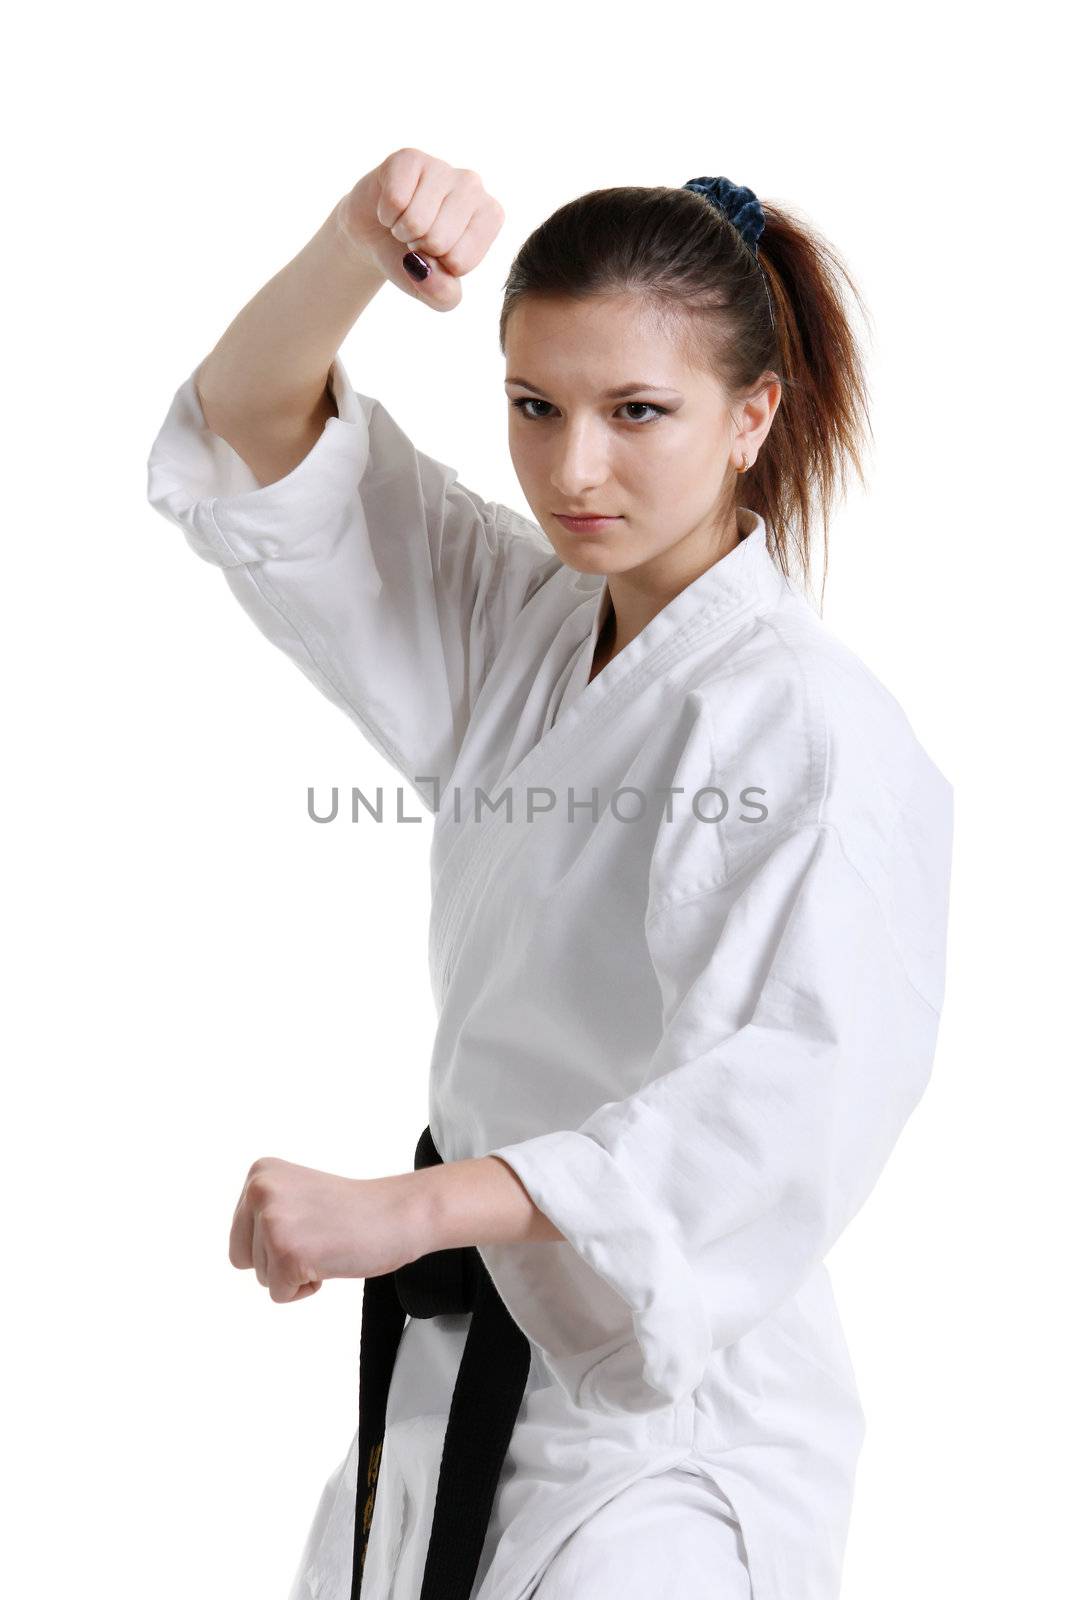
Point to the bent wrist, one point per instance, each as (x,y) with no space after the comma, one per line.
(353,242)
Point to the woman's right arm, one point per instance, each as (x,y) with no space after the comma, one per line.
(387,581)
(263,387)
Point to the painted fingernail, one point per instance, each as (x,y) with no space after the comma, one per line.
(416,266)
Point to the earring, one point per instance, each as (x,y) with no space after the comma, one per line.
(744,463)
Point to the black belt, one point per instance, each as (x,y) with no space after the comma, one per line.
(488,1392)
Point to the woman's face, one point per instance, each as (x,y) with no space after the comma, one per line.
(657,457)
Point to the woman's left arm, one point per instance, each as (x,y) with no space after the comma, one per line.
(801,1012)
(297,1226)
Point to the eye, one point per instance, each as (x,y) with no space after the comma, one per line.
(646,405)
(528,401)
(639,405)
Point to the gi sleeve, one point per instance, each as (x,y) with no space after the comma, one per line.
(387,582)
(800,1013)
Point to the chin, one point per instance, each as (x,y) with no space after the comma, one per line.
(590,552)
(595,562)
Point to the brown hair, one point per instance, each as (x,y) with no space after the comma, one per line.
(682,256)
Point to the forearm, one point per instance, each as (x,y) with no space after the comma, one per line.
(472,1202)
(270,365)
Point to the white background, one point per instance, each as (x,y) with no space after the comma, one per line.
(199,975)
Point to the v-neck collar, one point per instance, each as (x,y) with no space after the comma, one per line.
(747,572)
(740,582)
(720,598)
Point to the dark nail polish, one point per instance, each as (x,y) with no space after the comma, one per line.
(416,266)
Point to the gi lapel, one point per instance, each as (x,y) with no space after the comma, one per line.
(720,599)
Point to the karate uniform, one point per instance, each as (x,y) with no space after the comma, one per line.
(694,1024)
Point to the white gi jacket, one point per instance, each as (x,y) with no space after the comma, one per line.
(694,1024)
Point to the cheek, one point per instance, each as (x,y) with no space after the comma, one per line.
(670,464)
(686,460)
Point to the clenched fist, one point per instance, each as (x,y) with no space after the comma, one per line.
(414,202)
(297,1226)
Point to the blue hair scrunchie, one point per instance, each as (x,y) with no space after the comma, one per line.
(737,204)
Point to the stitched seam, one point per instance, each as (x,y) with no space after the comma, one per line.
(823,827)
(785,832)
(221,538)
(823,723)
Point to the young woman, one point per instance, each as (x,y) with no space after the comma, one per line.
(690,874)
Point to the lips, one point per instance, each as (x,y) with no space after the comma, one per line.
(585,523)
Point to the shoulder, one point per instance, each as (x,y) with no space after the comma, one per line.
(786,714)
(793,710)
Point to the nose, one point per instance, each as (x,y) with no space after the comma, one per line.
(581,460)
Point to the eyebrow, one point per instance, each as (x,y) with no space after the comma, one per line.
(609,394)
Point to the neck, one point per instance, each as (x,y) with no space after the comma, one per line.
(638,595)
